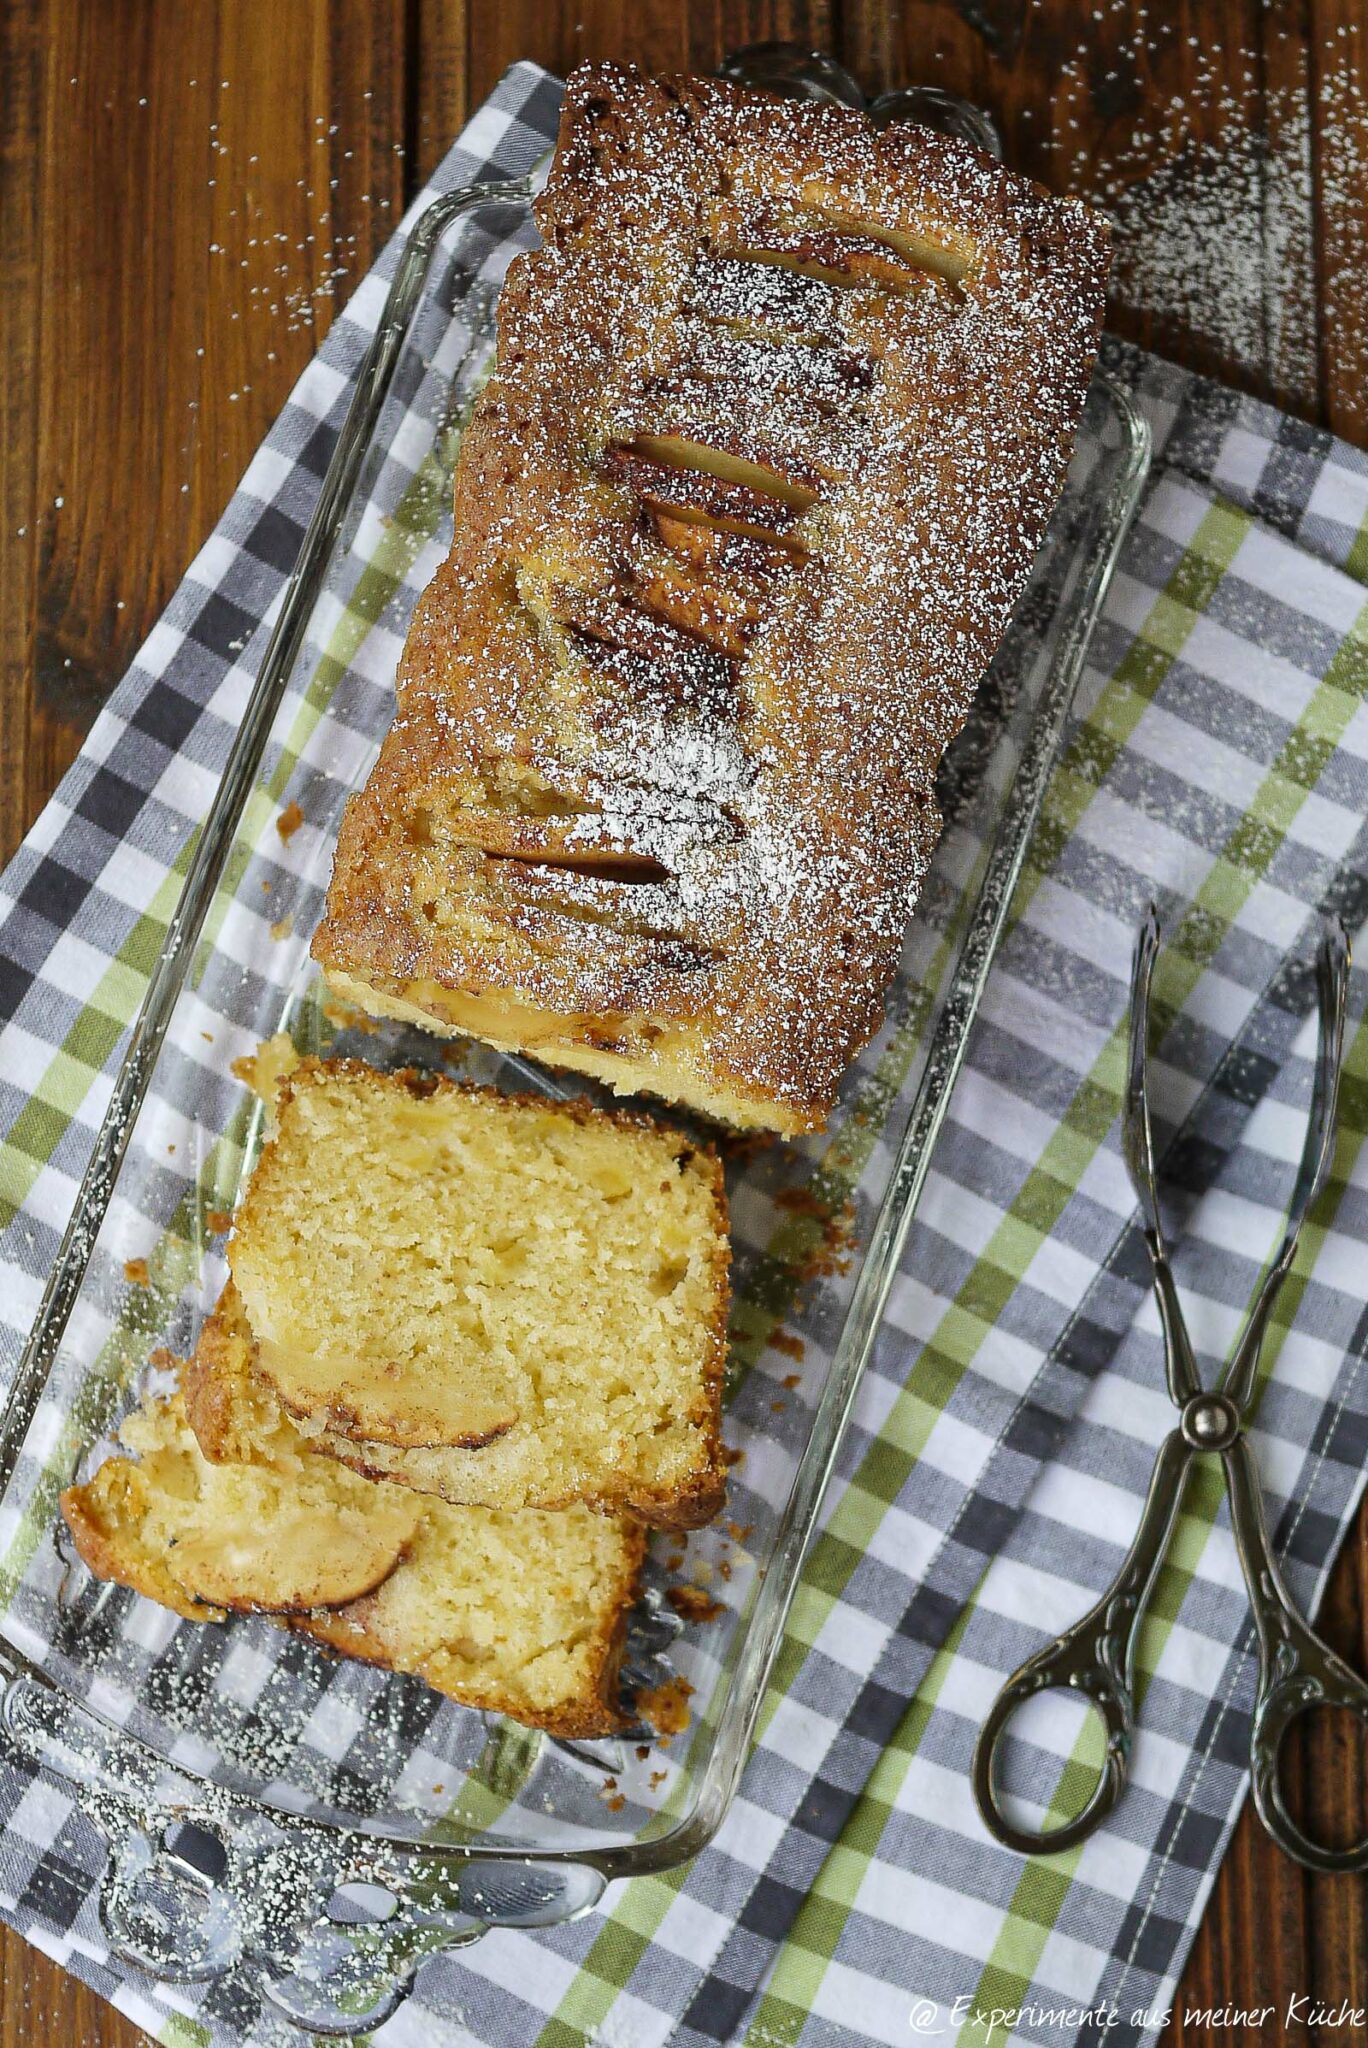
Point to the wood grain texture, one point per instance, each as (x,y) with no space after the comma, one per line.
(42,2007)
(1191,125)
(187,193)
(28,764)
(1338,45)
(664,34)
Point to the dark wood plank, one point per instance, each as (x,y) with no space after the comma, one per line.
(26,768)
(1189,125)
(115,433)
(1292,304)
(1339,150)
(42,2007)
(438,99)
(201,198)
(665,35)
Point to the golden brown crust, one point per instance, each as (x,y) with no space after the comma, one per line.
(217,1385)
(691,1507)
(105,1518)
(251,1537)
(657,809)
(342,1421)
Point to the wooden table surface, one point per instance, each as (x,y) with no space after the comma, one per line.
(191,189)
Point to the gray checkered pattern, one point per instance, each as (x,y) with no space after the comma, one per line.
(1005,1431)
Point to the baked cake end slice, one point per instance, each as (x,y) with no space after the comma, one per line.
(523,1614)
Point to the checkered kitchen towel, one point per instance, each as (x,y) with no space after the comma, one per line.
(1218,762)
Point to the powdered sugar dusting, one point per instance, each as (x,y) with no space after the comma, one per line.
(1223,167)
(780,413)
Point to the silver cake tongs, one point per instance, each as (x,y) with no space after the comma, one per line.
(1096,1657)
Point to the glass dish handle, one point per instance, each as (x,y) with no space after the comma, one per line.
(329,1926)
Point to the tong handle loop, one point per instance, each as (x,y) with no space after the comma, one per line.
(1137,1137)
(1297,1671)
(1075,1662)
(1095,1660)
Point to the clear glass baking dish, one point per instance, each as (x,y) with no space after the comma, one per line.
(318,1825)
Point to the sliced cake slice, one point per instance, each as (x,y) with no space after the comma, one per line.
(504,1300)
(518,1613)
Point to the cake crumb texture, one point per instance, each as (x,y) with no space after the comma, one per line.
(519,1613)
(504,1300)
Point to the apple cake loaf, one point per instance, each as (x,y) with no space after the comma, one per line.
(505,1300)
(780,411)
(520,1613)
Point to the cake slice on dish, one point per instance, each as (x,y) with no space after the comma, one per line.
(521,1614)
(503,1300)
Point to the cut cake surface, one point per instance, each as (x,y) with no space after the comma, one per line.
(522,1614)
(780,412)
(504,1300)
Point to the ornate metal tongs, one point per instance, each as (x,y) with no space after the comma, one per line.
(1096,1658)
